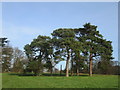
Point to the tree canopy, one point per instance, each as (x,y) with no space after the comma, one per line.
(73,45)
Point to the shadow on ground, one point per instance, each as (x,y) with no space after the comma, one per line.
(18,74)
(44,74)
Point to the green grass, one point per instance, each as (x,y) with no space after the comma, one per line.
(83,81)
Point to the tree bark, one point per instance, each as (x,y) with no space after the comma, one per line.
(71,68)
(90,65)
(77,71)
(60,70)
(67,65)
(51,71)
(40,68)
(78,65)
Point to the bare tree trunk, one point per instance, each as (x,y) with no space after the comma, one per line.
(71,68)
(51,71)
(67,65)
(90,65)
(77,73)
(78,67)
(40,68)
(67,68)
(60,70)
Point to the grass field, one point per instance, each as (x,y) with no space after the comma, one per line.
(83,81)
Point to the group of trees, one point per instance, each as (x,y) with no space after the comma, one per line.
(83,49)
(79,47)
(11,59)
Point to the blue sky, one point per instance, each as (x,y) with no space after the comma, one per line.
(22,22)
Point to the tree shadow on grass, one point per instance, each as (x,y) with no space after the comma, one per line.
(79,76)
(29,74)
(44,74)
(84,75)
(55,74)
(20,74)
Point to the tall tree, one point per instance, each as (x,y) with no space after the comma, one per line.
(106,57)
(63,40)
(7,53)
(39,51)
(18,57)
(91,38)
(3,42)
(76,56)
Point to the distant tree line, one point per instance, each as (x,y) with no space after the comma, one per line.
(83,49)
(12,59)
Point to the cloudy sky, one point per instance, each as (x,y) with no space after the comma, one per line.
(22,22)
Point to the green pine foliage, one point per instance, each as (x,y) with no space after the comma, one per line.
(76,46)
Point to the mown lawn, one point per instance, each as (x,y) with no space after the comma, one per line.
(83,81)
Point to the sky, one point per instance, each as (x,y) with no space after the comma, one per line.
(24,21)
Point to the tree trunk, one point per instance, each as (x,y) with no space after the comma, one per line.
(77,73)
(40,68)
(60,70)
(67,65)
(51,71)
(90,65)
(77,68)
(71,68)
